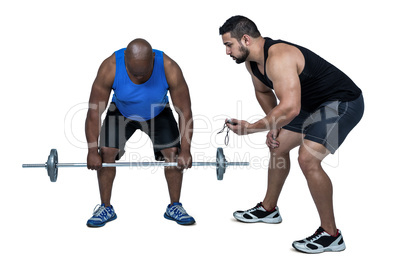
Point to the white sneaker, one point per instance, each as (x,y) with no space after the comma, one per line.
(258,214)
(320,242)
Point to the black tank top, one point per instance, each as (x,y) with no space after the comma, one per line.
(320,81)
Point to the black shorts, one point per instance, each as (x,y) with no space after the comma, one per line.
(330,123)
(117,129)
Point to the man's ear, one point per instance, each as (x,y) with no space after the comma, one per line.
(246,40)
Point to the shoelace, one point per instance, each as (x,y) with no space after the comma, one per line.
(254,208)
(315,235)
(227,133)
(98,210)
(179,211)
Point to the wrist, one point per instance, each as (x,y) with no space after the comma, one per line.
(185,149)
(93,149)
(185,146)
(258,126)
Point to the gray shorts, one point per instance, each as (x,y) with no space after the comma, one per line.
(330,123)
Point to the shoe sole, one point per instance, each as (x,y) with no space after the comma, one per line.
(327,249)
(102,224)
(268,220)
(178,222)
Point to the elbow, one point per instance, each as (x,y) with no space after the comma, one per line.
(294,109)
(294,112)
(291,113)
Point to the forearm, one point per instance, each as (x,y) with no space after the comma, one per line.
(92,129)
(186,130)
(277,118)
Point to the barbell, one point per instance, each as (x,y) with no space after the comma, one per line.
(52,164)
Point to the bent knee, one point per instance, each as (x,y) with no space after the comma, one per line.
(170,154)
(279,150)
(109,154)
(308,162)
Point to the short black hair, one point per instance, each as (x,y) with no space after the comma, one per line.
(239,26)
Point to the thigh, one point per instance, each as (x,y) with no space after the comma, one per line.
(116,130)
(170,154)
(109,154)
(288,140)
(163,132)
(331,124)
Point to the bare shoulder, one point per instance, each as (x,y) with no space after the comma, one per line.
(106,72)
(108,65)
(169,64)
(283,49)
(173,72)
(286,56)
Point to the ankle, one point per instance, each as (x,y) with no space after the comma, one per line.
(332,231)
(268,207)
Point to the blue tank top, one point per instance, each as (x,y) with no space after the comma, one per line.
(140,102)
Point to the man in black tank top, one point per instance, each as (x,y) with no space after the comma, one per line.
(318,106)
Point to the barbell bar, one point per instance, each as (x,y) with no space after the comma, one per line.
(52,164)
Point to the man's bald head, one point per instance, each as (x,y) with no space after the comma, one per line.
(139,49)
(139,58)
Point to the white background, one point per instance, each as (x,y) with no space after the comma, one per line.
(50,53)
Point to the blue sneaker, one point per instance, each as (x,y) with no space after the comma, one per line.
(101,216)
(177,213)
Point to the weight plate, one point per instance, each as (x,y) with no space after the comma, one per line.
(51,165)
(220,164)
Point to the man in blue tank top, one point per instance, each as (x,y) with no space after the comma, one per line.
(319,105)
(140,78)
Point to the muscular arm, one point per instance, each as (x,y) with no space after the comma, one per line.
(181,99)
(283,67)
(98,101)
